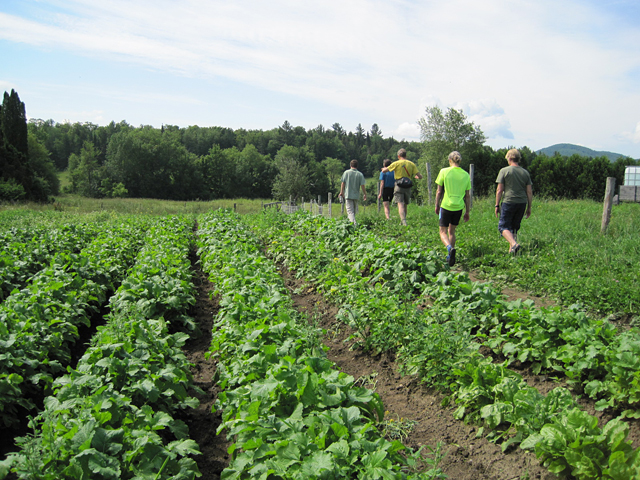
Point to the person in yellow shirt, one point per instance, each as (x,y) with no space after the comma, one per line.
(402,195)
(452,197)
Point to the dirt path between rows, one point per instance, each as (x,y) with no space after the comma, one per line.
(202,421)
(466,457)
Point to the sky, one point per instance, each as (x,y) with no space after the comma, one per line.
(528,72)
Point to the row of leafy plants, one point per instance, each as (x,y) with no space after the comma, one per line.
(286,409)
(40,323)
(113,416)
(25,251)
(441,343)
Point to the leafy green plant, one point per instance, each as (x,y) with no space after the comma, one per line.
(288,412)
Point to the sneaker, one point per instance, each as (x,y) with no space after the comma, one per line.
(451,258)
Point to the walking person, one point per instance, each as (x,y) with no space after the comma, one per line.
(403,169)
(516,192)
(351,183)
(452,197)
(387,183)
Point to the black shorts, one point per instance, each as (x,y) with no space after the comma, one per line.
(448,217)
(387,194)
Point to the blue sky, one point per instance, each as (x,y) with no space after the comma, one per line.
(529,73)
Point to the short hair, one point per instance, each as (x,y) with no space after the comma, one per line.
(513,155)
(386,162)
(354,164)
(402,153)
(455,157)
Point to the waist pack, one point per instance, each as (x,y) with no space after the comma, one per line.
(404,182)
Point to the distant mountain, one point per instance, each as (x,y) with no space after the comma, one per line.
(568,149)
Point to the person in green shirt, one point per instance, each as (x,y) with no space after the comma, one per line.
(516,192)
(452,197)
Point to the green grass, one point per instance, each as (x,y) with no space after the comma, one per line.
(563,254)
(81,205)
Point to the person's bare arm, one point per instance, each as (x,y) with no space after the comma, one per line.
(529,200)
(439,195)
(499,192)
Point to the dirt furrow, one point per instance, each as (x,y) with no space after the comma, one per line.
(407,400)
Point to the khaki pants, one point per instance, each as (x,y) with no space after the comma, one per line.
(352,209)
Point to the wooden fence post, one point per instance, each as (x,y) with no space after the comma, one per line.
(429,181)
(377,195)
(471,171)
(329,201)
(608,201)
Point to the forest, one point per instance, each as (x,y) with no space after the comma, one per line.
(205,163)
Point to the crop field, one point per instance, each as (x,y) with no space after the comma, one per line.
(273,346)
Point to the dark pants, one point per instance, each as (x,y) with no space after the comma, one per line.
(511,216)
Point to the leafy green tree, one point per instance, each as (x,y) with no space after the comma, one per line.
(443,132)
(151,164)
(86,178)
(254,174)
(43,168)
(293,178)
(217,171)
(11,190)
(334,168)
(324,145)
(339,131)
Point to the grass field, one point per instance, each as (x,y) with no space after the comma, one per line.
(564,255)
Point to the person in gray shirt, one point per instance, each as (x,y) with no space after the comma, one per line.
(351,183)
(516,192)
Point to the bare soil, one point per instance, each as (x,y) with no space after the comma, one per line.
(204,421)
(467,457)
(405,397)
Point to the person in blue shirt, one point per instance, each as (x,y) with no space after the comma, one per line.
(387,182)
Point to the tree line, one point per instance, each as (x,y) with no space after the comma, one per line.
(204,163)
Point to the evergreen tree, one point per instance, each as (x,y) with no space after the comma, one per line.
(15,152)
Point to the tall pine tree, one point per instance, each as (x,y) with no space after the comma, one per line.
(15,146)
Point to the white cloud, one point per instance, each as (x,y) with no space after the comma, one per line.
(543,70)
(407,131)
(490,117)
(6,86)
(633,136)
